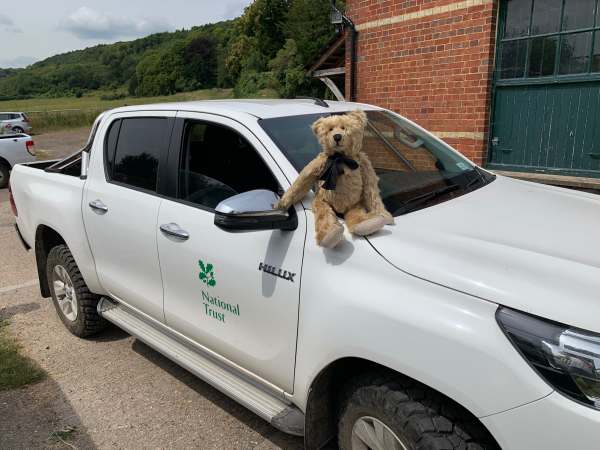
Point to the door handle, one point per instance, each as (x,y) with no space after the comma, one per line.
(172,229)
(98,207)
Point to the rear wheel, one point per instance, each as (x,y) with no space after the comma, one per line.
(387,415)
(4,174)
(74,303)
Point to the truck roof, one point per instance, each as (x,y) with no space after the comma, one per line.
(262,109)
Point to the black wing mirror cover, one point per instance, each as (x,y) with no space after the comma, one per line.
(260,220)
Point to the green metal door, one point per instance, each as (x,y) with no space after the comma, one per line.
(546,105)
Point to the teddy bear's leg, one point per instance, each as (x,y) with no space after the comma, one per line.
(363,223)
(329,231)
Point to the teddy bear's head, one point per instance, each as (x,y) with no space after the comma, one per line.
(341,133)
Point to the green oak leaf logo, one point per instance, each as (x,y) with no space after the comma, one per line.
(207,275)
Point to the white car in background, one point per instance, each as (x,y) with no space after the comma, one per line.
(14,149)
(14,122)
(472,323)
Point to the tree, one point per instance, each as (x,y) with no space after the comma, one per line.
(265,21)
(308,24)
(161,72)
(243,55)
(267,47)
(288,71)
(200,58)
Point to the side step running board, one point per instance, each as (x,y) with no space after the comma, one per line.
(284,417)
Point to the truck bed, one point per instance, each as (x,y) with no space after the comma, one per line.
(70,166)
(50,199)
(14,136)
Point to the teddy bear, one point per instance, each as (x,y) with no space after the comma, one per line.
(346,183)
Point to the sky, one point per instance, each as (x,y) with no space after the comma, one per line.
(41,28)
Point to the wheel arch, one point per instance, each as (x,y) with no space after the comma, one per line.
(45,239)
(324,397)
(4,162)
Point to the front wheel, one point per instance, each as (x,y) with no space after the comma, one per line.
(390,416)
(18,130)
(74,303)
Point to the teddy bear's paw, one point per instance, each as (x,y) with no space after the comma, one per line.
(389,219)
(369,226)
(279,205)
(333,237)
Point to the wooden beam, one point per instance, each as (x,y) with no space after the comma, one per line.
(328,52)
(329,72)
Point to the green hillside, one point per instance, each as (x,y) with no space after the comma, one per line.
(266,48)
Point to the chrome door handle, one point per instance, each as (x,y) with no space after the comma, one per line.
(98,207)
(172,229)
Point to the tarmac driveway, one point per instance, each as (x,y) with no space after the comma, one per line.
(113,391)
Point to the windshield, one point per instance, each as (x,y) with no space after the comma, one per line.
(415,170)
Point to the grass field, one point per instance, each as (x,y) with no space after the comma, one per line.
(49,114)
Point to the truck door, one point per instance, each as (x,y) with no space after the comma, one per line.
(217,291)
(121,207)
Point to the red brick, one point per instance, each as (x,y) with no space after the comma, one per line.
(436,70)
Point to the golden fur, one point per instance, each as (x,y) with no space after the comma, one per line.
(356,195)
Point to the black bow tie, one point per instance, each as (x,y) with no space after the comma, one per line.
(334,168)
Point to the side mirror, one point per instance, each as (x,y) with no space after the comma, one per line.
(253,210)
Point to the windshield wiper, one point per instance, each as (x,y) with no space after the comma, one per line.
(415,202)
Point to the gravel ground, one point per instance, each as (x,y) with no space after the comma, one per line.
(58,144)
(113,390)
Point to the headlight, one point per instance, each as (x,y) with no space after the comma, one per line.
(567,358)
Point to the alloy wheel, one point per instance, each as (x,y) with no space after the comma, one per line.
(65,292)
(369,433)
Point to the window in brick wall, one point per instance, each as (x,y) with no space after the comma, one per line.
(546,16)
(549,38)
(518,15)
(575,52)
(514,55)
(596,55)
(578,14)
(543,55)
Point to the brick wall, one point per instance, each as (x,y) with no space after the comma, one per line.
(430,60)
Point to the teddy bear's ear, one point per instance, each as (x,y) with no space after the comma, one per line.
(360,116)
(317,125)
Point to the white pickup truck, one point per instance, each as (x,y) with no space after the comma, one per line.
(14,149)
(472,323)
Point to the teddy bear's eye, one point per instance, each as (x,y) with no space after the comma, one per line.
(331,129)
(343,128)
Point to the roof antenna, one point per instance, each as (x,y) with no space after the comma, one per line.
(318,101)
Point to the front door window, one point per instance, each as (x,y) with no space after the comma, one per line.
(217,163)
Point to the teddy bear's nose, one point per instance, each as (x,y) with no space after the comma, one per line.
(337,137)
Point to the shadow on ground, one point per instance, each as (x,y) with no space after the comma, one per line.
(38,417)
(218,399)
(24,308)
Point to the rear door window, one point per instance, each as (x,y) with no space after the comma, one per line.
(134,149)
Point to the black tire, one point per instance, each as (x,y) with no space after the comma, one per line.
(87,321)
(18,130)
(420,418)
(4,175)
